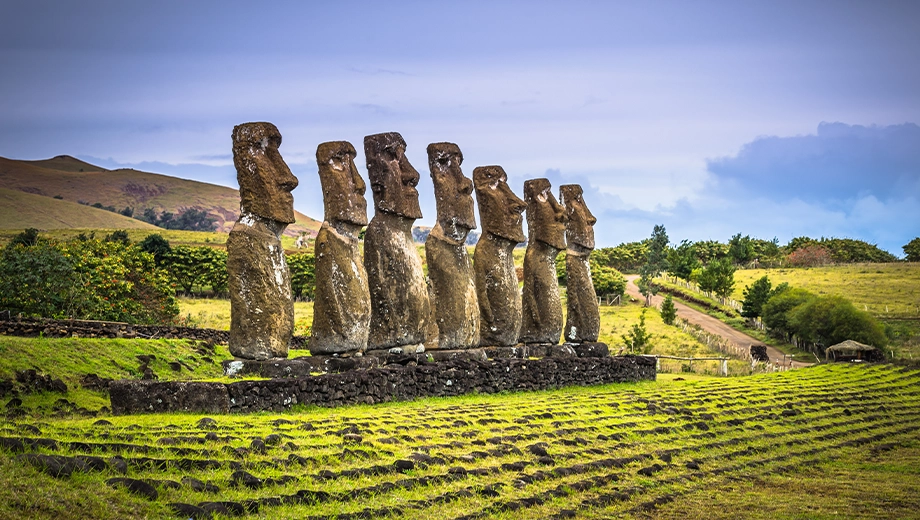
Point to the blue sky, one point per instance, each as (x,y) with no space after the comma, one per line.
(766,118)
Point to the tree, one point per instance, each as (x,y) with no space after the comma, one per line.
(912,250)
(607,281)
(303,274)
(828,320)
(198,267)
(668,311)
(755,296)
(776,311)
(719,278)
(637,339)
(85,279)
(812,255)
(157,246)
(656,262)
(741,249)
(682,260)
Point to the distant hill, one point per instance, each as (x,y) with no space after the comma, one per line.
(20,210)
(66,179)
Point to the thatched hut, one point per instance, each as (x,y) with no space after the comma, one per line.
(850,350)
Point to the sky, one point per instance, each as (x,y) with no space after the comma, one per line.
(770,119)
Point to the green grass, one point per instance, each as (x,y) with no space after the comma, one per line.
(811,443)
(69,359)
(214,313)
(889,290)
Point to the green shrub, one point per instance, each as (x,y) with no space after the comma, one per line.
(303,274)
(85,279)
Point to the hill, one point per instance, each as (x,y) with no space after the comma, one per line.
(19,210)
(75,181)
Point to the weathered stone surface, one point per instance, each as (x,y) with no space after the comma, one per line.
(261,308)
(497,290)
(542,306)
(400,308)
(341,312)
(591,349)
(454,306)
(583,319)
(265,180)
(404,381)
(130,396)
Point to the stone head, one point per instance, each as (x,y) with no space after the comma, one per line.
(343,187)
(452,190)
(545,217)
(579,227)
(393,179)
(265,180)
(499,208)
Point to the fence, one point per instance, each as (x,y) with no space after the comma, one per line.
(723,366)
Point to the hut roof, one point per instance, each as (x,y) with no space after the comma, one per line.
(850,346)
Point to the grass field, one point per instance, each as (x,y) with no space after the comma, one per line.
(889,290)
(829,441)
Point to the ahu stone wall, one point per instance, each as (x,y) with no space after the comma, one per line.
(377,385)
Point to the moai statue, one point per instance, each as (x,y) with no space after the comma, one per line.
(399,295)
(542,307)
(261,307)
(493,261)
(582,317)
(342,308)
(453,306)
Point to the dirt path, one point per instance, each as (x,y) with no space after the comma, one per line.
(712,325)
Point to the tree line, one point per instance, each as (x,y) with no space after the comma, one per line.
(745,251)
(189,219)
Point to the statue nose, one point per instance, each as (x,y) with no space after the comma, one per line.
(466,186)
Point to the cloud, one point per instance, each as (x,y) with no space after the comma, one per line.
(840,163)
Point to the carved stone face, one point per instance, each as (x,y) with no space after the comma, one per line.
(452,190)
(499,208)
(343,187)
(393,179)
(579,227)
(265,180)
(545,217)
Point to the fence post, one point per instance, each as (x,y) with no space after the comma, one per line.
(657,364)
(725,367)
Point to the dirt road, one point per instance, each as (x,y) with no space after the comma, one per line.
(712,325)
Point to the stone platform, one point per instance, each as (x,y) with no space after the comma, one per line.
(395,382)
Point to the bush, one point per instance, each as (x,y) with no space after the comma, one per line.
(638,339)
(776,311)
(828,320)
(157,246)
(607,281)
(809,256)
(198,267)
(88,279)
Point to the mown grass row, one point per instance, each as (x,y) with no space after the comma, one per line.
(588,452)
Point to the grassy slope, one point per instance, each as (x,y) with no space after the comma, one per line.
(850,456)
(885,290)
(62,176)
(19,210)
(69,359)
